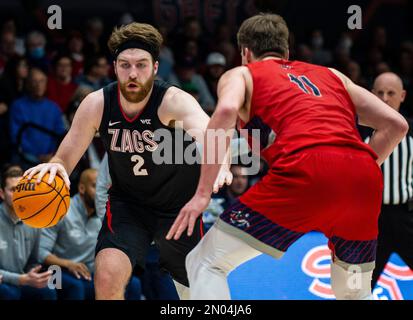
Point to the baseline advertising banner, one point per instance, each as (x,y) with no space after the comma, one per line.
(304,274)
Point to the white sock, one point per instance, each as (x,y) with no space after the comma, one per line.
(210,262)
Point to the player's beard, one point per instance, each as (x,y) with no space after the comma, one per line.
(89,201)
(136,96)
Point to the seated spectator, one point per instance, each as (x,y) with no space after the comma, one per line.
(7,48)
(231,54)
(95,151)
(13,79)
(71,244)
(75,47)
(36,51)
(192,89)
(19,248)
(166,56)
(38,141)
(215,68)
(353,71)
(94,41)
(228,196)
(10,25)
(60,86)
(185,73)
(321,56)
(96,70)
(12,83)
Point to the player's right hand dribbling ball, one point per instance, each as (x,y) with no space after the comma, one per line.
(41,205)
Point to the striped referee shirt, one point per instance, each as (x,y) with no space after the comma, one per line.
(398,173)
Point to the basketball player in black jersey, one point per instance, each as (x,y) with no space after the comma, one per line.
(145,198)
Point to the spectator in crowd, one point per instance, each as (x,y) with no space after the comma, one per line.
(156,284)
(191,51)
(374,57)
(36,51)
(405,65)
(345,43)
(7,48)
(304,53)
(42,118)
(230,53)
(9,25)
(185,73)
(60,86)
(192,89)
(94,44)
(12,83)
(78,96)
(227,196)
(71,244)
(95,73)
(223,42)
(396,217)
(13,79)
(321,55)
(342,55)
(19,249)
(126,18)
(353,71)
(75,48)
(95,151)
(380,41)
(166,56)
(222,34)
(215,67)
(192,31)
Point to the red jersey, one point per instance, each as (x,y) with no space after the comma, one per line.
(297,105)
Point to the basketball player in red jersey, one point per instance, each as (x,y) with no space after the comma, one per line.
(322,176)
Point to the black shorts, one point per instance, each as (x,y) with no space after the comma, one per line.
(132,228)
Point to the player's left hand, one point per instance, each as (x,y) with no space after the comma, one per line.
(187,216)
(224,177)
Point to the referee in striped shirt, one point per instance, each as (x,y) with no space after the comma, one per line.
(396,217)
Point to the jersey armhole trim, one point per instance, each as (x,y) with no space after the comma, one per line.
(345,91)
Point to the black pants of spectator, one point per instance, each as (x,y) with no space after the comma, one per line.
(395,235)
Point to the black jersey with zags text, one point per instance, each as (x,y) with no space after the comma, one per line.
(146,158)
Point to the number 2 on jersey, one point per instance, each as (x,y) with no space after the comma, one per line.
(304,84)
(137,171)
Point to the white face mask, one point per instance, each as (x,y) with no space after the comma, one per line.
(346,43)
(317,42)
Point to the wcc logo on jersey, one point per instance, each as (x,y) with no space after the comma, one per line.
(393,284)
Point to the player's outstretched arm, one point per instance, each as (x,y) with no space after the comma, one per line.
(231,97)
(186,113)
(84,126)
(390,127)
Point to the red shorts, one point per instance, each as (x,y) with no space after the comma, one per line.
(334,190)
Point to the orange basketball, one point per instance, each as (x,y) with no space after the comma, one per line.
(41,205)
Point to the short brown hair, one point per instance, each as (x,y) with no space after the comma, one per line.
(9,171)
(264,33)
(142,32)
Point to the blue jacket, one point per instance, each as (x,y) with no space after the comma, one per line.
(44,113)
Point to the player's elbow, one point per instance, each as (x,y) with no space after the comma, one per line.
(227,110)
(399,126)
(403,125)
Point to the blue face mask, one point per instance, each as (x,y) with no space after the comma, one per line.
(37,52)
